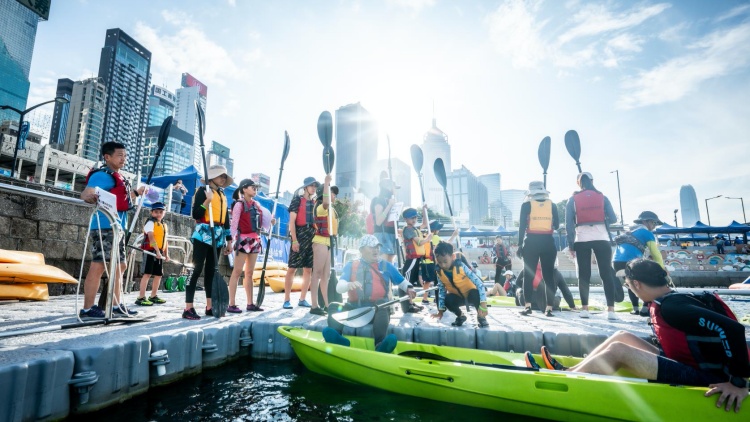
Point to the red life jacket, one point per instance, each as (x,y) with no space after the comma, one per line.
(413,250)
(373,287)
(250,218)
(121,190)
(589,206)
(679,346)
(301,219)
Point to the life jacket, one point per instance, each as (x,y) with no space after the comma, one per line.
(121,190)
(428,249)
(250,218)
(589,205)
(321,223)
(501,253)
(413,248)
(373,287)
(540,217)
(700,352)
(461,284)
(218,208)
(160,235)
(304,212)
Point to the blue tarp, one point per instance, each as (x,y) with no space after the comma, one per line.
(500,231)
(701,228)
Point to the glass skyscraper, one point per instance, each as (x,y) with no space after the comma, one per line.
(356,151)
(60,115)
(85,126)
(160,105)
(17,36)
(185,116)
(434,146)
(176,156)
(124,68)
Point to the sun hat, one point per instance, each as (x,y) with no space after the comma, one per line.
(368,241)
(585,173)
(217,170)
(648,215)
(310,181)
(535,188)
(508,272)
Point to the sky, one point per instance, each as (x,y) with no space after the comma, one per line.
(658,91)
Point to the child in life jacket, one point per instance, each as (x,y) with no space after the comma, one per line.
(154,241)
(458,285)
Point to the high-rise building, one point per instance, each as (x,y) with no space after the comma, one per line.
(185,116)
(468,196)
(263,181)
(219,154)
(494,197)
(18,26)
(176,155)
(435,145)
(60,115)
(85,127)
(512,200)
(160,105)
(124,68)
(691,214)
(401,174)
(356,151)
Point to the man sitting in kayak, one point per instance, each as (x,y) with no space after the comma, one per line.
(701,342)
(367,281)
(458,285)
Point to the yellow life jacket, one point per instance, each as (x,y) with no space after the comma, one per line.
(218,207)
(540,217)
(413,248)
(461,283)
(160,235)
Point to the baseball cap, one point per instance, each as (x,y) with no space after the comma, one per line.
(645,271)
(368,241)
(157,206)
(409,213)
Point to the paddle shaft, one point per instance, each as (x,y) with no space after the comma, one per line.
(154,255)
(398,250)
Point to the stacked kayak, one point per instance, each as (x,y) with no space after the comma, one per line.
(24,275)
(500,381)
(509,301)
(275,274)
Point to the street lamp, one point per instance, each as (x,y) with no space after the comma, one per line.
(619,197)
(744,219)
(675,218)
(61,100)
(707,214)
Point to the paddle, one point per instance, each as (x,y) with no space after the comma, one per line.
(573,145)
(262,284)
(166,126)
(417,159)
(362,316)
(154,255)
(439,169)
(544,152)
(399,252)
(58,327)
(219,288)
(325,129)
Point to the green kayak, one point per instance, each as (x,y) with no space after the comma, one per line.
(509,301)
(500,381)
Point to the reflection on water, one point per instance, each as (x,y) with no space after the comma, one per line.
(262,390)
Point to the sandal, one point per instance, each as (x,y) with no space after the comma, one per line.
(530,362)
(550,362)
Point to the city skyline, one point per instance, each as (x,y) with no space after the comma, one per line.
(649,86)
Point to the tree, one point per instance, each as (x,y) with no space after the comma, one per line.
(489,221)
(561,211)
(351,220)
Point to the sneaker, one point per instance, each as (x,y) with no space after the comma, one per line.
(483,322)
(530,362)
(142,301)
(233,309)
(253,308)
(584,314)
(612,316)
(209,312)
(93,313)
(318,311)
(304,304)
(118,310)
(156,300)
(526,311)
(425,302)
(550,362)
(190,314)
(644,311)
(413,309)
(635,312)
(388,344)
(548,313)
(332,336)
(459,321)
(288,305)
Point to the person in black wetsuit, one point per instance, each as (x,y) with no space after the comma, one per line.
(701,343)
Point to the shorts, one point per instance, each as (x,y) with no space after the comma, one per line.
(99,250)
(154,266)
(411,270)
(676,373)
(387,242)
(429,274)
(303,258)
(249,245)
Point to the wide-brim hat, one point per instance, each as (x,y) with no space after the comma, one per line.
(435,225)
(586,174)
(648,215)
(508,272)
(310,181)
(215,171)
(368,241)
(536,187)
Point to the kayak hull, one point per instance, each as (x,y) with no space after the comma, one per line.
(552,395)
(510,301)
(33,273)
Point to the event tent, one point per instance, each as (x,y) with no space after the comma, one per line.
(701,228)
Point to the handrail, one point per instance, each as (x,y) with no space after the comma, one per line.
(44,195)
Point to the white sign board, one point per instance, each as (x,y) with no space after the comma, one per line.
(107,203)
(395,213)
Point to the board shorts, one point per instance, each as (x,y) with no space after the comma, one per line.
(303,258)
(676,373)
(154,266)
(103,249)
(429,275)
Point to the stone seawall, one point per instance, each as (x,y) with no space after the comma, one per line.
(58,230)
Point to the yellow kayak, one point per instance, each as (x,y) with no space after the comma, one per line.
(24,291)
(20,257)
(34,273)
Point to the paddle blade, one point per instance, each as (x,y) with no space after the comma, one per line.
(328,159)
(417,158)
(325,128)
(166,126)
(201,122)
(220,300)
(439,169)
(573,144)
(285,154)
(262,285)
(355,318)
(544,152)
